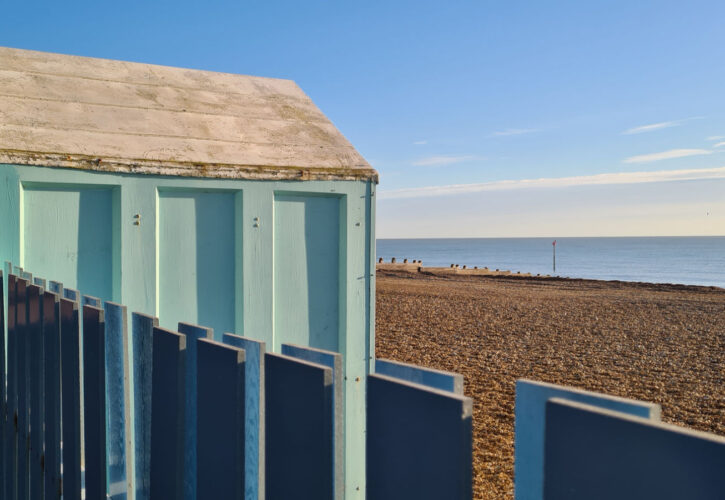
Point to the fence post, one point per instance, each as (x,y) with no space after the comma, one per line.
(70,398)
(254,409)
(298,419)
(52,390)
(94,402)
(139,367)
(192,333)
(220,421)
(167,415)
(22,372)
(10,450)
(35,389)
(3,395)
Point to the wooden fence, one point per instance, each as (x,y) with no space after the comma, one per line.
(94,409)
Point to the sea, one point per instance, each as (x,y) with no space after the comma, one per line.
(682,260)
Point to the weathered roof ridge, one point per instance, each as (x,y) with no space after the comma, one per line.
(100,114)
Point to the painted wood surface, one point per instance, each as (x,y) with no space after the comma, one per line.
(256,299)
(437,379)
(52,395)
(220,424)
(11,405)
(332,360)
(35,389)
(3,379)
(22,388)
(168,427)
(70,398)
(530,426)
(599,454)
(94,403)
(299,451)
(254,410)
(413,458)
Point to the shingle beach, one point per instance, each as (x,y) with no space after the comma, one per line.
(652,342)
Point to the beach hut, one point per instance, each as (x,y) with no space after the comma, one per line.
(223,200)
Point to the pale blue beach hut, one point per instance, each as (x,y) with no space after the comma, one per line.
(217,199)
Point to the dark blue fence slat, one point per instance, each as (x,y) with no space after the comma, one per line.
(299,452)
(116,412)
(9,450)
(167,415)
(90,300)
(437,379)
(601,454)
(193,333)
(419,442)
(22,371)
(220,424)
(139,368)
(70,398)
(71,294)
(35,390)
(94,403)
(40,282)
(253,413)
(3,396)
(56,287)
(530,413)
(332,360)
(51,394)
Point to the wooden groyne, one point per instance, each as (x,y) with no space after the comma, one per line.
(416,266)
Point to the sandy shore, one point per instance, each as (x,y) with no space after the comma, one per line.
(659,343)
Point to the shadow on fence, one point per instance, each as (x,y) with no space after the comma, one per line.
(92,409)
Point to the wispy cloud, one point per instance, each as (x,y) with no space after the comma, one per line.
(716,137)
(658,126)
(666,155)
(420,143)
(513,131)
(719,144)
(437,161)
(561,182)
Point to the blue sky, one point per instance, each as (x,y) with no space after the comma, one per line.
(436,94)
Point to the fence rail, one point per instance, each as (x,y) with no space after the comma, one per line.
(95,408)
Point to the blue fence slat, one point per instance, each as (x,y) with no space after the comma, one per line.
(253,413)
(220,421)
(51,394)
(70,398)
(167,415)
(193,333)
(11,403)
(94,403)
(601,454)
(419,442)
(115,337)
(139,369)
(35,392)
(22,387)
(40,282)
(437,379)
(71,294)
(529,427)
(56,287)
(27,276)
(299,452)
(3,387)
(90,300)
(332,360)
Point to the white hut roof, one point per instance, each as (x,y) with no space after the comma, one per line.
(114,116)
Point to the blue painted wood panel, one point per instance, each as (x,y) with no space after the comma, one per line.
(51,395)
(600,454)
(196,259)
(419,442)
(220,424)
(167,415)
(70,398)
(140,374)
(530,422)
(79,247)
(22,384)
(94,403)
(437,379)
(3,378)
(10,450)
(254,409)
(332,360)
(299,451)
(192,333)
(115,337)
(307,270)
(35,389)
